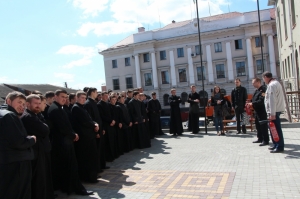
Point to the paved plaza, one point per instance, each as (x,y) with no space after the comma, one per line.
(204,166)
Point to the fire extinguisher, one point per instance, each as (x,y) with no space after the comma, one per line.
(248,109)
(272,129)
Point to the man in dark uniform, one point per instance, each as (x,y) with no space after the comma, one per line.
(64,160)
(258,105)
(49,100)
(194,111)
(72,100)
(129,96)
(238,98)
(41,184)
(154,109)
(175,117)
(15,149)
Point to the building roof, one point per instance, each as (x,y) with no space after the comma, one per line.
(247,17)
(43,88)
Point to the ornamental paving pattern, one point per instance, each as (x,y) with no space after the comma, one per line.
(203,166)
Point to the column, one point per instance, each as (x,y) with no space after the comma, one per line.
(172,67)
(191,67)
(272,55)
(229,61)
(137,71)
(209,65)
(154,70)
(250,58)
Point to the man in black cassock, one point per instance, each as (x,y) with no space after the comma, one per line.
(15,149)
(175,117)
(126,125)
(146,126)
(154,109)
(72,100)
(86,147)
(49,100)
(194,111)
(91,106)
(41,183)
(65,167)
(129,96)
(108,123)
(135,111)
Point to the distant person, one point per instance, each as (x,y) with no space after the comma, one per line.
(217,100)
(194,111)
(129,96)
(49,100)
(258,105)
(72,100)
(154,110)
(175,116)
(41,184)
(238,98)
(16,153)
(275,105)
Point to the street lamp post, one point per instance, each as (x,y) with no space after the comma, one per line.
(260,38)
(200,48)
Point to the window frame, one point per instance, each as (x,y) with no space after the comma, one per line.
(236,68)
(218,47)
(198,52)
(204,74)
(151,78)
(218,76)
(168,77)
(128,87)
(116,87)
(179,75)
(127,61)
(162,55)
(265,63)
(114,63)
(238,43)
(146,57)
(180,52)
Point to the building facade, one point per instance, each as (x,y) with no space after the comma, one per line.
(169,57)
(288,32)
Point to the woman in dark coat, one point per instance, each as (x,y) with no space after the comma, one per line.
(175,118)
(217,100)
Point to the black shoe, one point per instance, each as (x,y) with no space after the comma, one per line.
(222,133)
(257,141)
(239,132)
(277,151)
(84,193)
(271,148)
(264,144)
(244,132)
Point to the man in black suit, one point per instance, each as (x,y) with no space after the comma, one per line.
(41,184)
(15,149)
(65,166)
(194,99)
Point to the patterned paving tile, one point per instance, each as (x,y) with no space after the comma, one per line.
(169,184)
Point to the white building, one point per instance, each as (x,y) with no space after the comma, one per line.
(169,57)
(288,32)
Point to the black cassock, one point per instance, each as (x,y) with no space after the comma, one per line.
(65,167)
(175,116)
(116,116)
(91,106)
(86,147)
(15,156)
(41,184)
(147,140)
(194,112)
(138,129)
(126,129)
(110,132)
(154,109)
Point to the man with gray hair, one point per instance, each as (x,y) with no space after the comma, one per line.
(15,149)
(274,103)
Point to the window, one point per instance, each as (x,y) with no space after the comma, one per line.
(166,100)
(148,79)
(259,66)
(198,50)
(218,47)
(240,68)
(182,75)
(127,61)
(293,12)
(284,19)
(162,55)
(220,71)
(146,57)
(199,73)
(180,52)
(114,63)
(279,23)
(238,44)
(258,42)
(165,77)
(116,84)
(129,83)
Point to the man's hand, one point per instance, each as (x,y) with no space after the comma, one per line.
(32,136)
(136,123)
(76,137)
(103,132)
(120,125)
(130,123)
(96,128)
(97,136)
(272,117)
(196,100)
(143,120)
(232,108)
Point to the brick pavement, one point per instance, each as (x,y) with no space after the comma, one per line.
(204,166)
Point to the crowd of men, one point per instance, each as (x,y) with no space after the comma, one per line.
(58,140)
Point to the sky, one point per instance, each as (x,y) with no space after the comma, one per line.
(57,41)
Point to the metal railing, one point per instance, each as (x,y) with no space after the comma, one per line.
(293,104)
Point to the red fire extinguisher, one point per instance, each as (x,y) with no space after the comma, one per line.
(248,109)
(274,131)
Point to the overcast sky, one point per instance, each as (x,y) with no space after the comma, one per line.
(52,42)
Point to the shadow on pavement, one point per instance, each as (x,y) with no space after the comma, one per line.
(292,151)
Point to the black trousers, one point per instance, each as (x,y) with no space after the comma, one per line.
(262,129)
(194,122)
(239,115)
(15,180)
